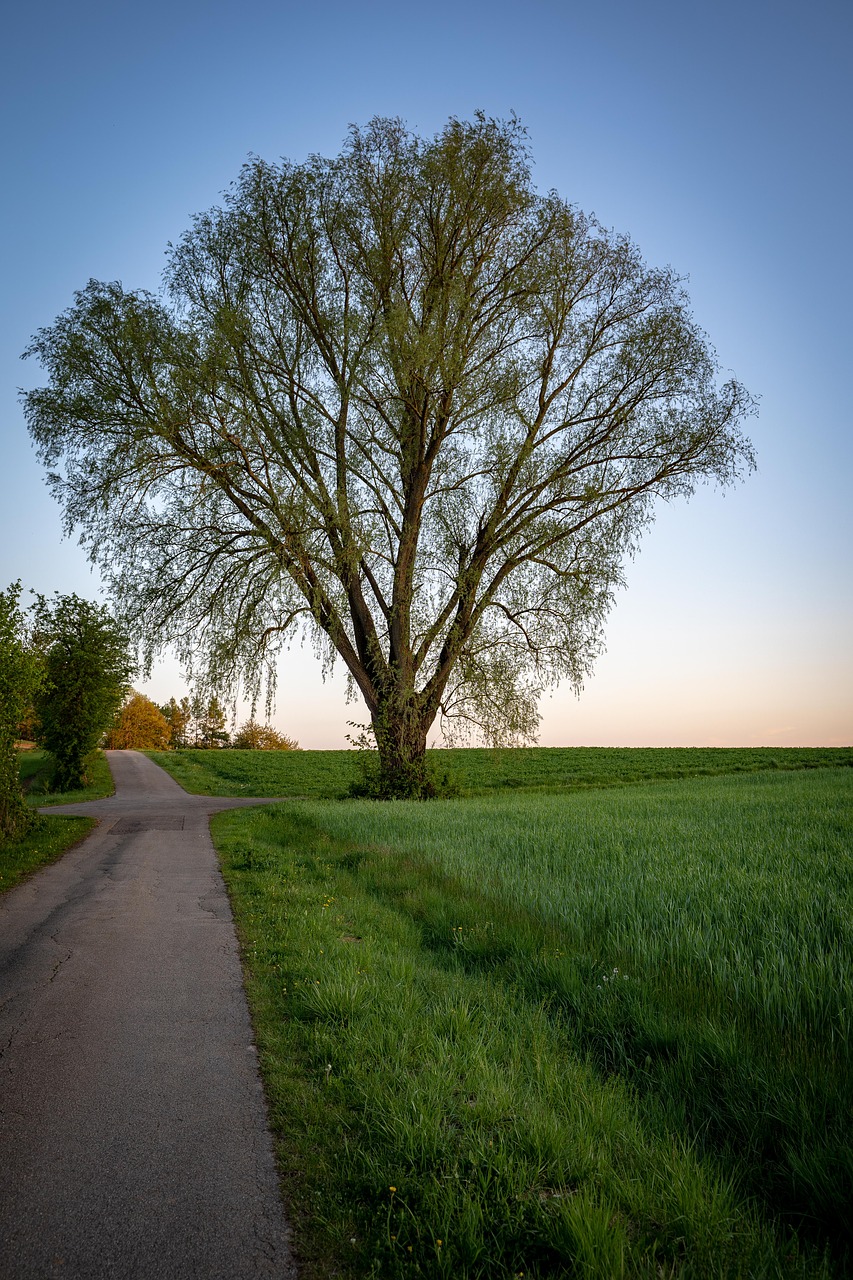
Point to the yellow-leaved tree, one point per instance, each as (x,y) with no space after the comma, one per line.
(140,725)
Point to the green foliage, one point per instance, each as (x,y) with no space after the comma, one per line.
(602,1033)
(197,722)
(87,671)
(35,770)
(28,726)
(397,399)
(208,722)
(178,716)
(19,681)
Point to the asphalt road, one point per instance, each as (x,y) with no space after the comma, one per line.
(133,1132)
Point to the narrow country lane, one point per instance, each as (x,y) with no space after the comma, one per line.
(133,1132)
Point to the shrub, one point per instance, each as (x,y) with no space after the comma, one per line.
(262,737)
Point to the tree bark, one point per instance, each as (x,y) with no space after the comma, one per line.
(400,727)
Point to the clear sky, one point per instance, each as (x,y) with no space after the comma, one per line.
(717,136)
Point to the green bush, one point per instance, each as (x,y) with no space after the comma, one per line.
(87,670)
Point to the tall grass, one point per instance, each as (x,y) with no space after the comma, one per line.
(595,1034)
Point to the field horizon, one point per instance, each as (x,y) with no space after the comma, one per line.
(479,770)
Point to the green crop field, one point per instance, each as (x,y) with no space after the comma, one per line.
(590,1033)
(261,773)
(330,774)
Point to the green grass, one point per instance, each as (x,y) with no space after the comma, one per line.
(48,841)
(320,774)
(594,1034)
(36,771)
(329,774)
(51,836)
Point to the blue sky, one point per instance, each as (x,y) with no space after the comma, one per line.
(717,136)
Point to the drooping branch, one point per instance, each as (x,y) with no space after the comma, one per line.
(397,393)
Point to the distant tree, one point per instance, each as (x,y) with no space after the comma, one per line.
(262,737)
(179,717)
(209,722)
(20,673)
(140,725)
(28,725)
(399,397)
(87,670)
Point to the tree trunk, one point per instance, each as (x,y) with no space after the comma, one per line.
(69,772)
(400,727)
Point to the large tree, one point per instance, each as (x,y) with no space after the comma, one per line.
(397,396)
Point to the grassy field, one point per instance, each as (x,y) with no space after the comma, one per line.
(593,1033)
(35,771)
(320,774)
(52,836)
(330,774)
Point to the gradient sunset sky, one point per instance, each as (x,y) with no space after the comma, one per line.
(717,136)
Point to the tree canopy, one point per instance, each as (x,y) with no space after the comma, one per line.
(178,716)
(86,673)
(139,726)
(397,397)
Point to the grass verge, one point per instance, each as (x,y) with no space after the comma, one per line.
(50,837)
(36,772)
(599,1035)
(45,843)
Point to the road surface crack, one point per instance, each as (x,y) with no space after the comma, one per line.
(61,961)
